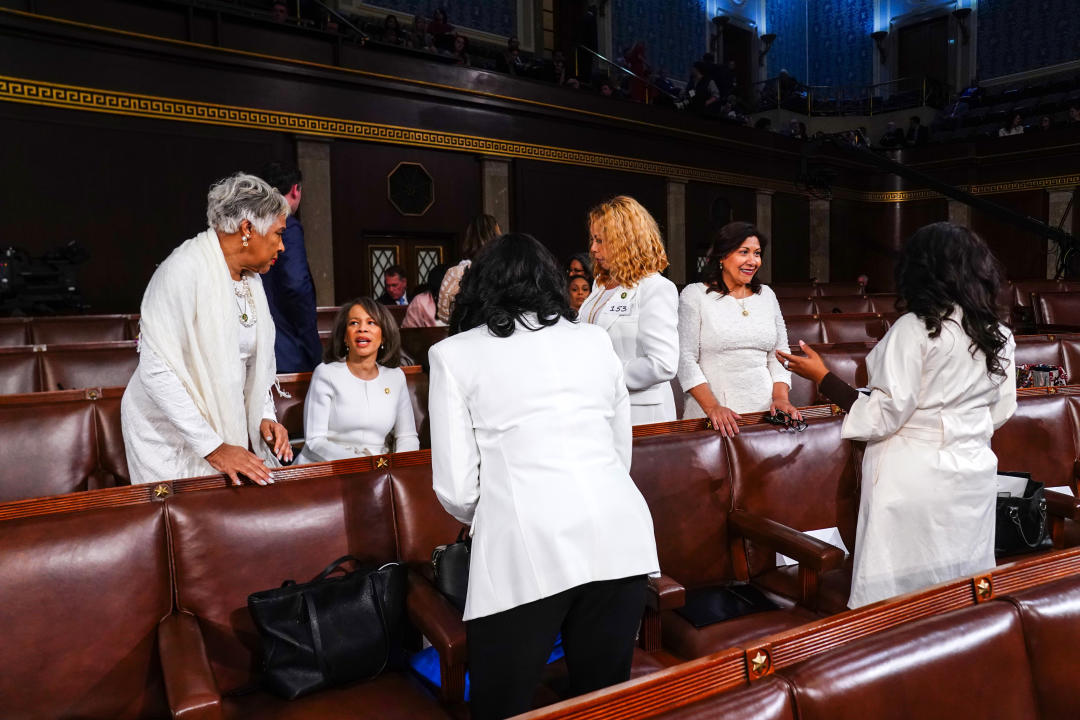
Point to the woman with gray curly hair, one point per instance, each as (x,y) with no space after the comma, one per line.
(200,401)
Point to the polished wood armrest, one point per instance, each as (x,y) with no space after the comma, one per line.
(809,552)
(441,624)
(665,594)
(1062,505)
(189,682)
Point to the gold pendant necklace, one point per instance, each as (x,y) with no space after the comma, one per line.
(742,305)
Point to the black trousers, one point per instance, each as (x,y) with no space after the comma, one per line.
(508,650)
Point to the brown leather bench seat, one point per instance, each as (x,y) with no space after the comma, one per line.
(75,329)
(81,596)
(228,543)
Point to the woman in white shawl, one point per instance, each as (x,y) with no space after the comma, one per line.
(200,400)
(941,381)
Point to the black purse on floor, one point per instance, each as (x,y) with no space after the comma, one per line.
(1021,521)
(451,565)
(333,630)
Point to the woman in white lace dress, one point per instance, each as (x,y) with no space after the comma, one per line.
(730,328)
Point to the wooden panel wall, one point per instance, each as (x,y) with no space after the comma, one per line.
(700,223)
(128,190)
(1023,254)
(866,237)
(361,206)
(790,238)
(551,202)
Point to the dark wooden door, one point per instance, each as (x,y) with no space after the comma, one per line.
(416,254)
(923,50)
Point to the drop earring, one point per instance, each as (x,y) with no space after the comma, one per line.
(246,238)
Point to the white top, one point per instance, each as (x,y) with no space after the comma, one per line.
(926,511)
(532,448)
(346,417)
(642,323)
(156,394)
(732,352)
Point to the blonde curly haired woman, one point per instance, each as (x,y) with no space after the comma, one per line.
(636,305)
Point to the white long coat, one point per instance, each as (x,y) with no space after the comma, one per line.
(926,513)
(643,323)
(530,444)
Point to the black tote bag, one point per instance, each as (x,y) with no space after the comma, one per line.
(333,630)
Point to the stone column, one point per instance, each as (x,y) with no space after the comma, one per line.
(959,213)
(763,220)
(676,230)
(819,240)
(495,189)
(1059,200)
(313,159)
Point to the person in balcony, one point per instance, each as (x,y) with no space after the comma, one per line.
(199,401)
(358,403)
(1015,126)
(730,326)
(637,306)
(534,454)
(941,381)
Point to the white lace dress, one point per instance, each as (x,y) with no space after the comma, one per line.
(731,351)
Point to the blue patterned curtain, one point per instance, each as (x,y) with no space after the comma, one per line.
(1017,36)
(673,32)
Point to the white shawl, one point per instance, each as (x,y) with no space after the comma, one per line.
(189,320)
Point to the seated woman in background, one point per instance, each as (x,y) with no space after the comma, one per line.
(422,309)
(730,328)
(481,230)
(358,403)
(941,381)
(579,289)
(199,401)
(580,266)
(637,306)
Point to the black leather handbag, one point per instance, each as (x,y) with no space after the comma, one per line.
(333,630)
(1021,521)
(451,565)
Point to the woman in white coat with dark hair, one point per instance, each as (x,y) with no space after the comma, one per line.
(941,381)
(637,306)
(532,448)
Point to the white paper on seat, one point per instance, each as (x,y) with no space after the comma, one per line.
(829,535)
(1063,489)
(1015,486)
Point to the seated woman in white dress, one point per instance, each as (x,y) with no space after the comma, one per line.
(635,304)
(358,403)
(199,402)
(730,328)
(941,381)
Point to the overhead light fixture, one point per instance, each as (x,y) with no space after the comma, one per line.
(766,43)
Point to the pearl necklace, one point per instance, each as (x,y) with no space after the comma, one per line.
(243,291)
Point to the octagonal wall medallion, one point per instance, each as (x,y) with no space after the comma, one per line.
(410,189)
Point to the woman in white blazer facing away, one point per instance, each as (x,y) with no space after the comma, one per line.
(532,449)
(637,306)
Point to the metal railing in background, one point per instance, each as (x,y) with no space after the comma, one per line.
(826,100)
(650,86)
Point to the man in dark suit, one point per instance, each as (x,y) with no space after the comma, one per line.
(290,291)
(396,285)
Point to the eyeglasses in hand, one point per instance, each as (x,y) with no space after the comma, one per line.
(784,422)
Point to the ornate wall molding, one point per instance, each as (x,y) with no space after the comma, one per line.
(112,102)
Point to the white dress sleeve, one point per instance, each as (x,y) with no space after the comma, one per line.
(776,370)
(405,435)
(621,425)
(657,336)
(320,399)
(455,456)
(162,384)
(1005,406)
(690,308)
(894,385)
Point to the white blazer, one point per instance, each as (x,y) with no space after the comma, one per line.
(643,323)
(531,446)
